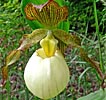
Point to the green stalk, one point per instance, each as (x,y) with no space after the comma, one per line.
(99,39)
(1,95)
(57,97)
(8,87)
(27,93)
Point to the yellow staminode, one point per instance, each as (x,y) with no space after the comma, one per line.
(49,44)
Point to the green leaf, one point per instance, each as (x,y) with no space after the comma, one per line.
(98,95)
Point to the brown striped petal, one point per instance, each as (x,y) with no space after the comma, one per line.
(48,14)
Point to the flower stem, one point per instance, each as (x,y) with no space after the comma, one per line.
(99,39)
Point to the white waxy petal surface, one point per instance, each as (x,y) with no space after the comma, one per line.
(47,77)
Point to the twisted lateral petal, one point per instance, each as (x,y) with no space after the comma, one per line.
(67,38)
(5,72)
(31,39)
(46,77)
(10,59)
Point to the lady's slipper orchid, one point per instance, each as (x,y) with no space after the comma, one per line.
(46,73)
